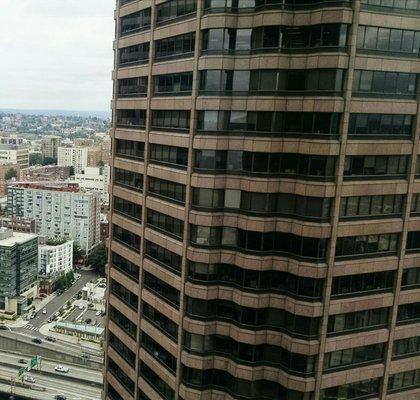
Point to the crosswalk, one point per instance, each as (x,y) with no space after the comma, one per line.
(30,327)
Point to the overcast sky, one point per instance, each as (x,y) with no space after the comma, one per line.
(56,54)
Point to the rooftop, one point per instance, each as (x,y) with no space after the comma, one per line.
(56,186)
(9,238)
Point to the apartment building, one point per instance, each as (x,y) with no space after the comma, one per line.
(60,210)
(76,157)
(49,146)
(55,257)
(95,179)
(265,201)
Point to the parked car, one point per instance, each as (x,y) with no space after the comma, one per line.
(36,340)
(29,378)
(61,368)
(50,338)
(3,328)
(80,306)
(44,311)
(87,356)
(88,320)
(60,397)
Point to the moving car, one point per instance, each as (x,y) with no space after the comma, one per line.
(61,368)
(36,340)
(80,306)
(4,328)
(50,338)
(22,361)
(29,378)
(98,313)
(60,397)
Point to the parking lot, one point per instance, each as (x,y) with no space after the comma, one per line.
(83,314)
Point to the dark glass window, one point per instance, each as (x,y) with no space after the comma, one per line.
(410,278)
(378,83)
(389,40)
(407,346)
(253,318)
(156,382)
(132,87)
(158,352)
(162,289)
(129,149)
(364,206)
(169,155)
(413,241)
(263,354)
(166,223)
(270,82)
(160,321)
(134,55)
(123,322)
(396,4)
(120,375)
(244,162)
(362,284)
(126,237)
(122,349)
(262,203)
(415,203)
(131,118)
(163,256)
(240,388)
(357,390)
(354,356)
(264,281)
(380,124)
(386,166)
(359,320)
(408,313)
(175,47)
(267,123)
(131,180)
(173,84)
(129,298)
(366,244)
(135,22)
(174,9)
(125,266)
(265,242)
(177,120)
(127,208)
(168,189)
(404,380)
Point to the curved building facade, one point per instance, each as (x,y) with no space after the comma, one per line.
(265,201)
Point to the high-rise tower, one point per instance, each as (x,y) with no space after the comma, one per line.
(265,219)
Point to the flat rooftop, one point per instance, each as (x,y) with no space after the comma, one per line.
(14,238)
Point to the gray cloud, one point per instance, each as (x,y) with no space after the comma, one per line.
(56,54)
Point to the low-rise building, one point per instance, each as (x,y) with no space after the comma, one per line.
(14,154)
(18,224)
(55,257)
(18,270)
(44,173)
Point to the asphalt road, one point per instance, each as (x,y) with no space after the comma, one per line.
(54,383)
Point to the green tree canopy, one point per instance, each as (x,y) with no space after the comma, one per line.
(11,173)
(98,258)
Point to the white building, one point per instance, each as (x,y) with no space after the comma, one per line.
(76,157)
(95,179)
(11,154)
(60,210)
(55,258)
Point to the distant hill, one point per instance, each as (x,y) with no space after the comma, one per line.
(99,114)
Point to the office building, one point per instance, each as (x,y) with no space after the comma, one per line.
(265,201)
(18,269)
(60,209)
